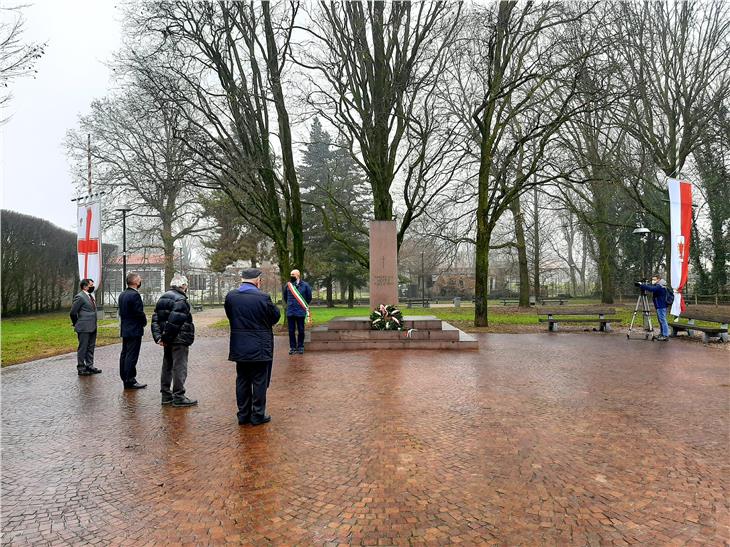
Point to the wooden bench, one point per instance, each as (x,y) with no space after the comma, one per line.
(719,330)
(578,315)
(559,301)
(197,307)
(506,301)
(111,313)
(424,303)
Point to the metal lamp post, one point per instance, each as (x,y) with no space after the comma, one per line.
(642,232)
(124,209)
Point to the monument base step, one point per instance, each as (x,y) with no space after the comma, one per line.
(353,333)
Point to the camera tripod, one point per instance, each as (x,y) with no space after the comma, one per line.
(642,303)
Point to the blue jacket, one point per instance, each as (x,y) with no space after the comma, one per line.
(658,295)
(251,314)
(293,309)
(131,313)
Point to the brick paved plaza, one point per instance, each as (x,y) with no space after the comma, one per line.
(579,439)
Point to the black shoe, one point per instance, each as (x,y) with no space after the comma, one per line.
(84,372)
(244,421)
(300,351)
(292,351)
(184,401)
(264,420)
(94,370)
(166,400)
(135,385)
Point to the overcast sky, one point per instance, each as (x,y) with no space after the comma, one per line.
(81,36)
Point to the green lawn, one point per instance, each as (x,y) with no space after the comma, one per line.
(37,336)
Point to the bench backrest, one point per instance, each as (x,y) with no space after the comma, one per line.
(576,310)
(700,314)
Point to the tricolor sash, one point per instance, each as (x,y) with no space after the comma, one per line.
(300,299)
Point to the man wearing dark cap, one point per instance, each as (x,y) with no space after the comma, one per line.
(251,314)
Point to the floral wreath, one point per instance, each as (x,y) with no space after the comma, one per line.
(386,318)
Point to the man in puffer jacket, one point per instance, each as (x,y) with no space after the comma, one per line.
(173,329)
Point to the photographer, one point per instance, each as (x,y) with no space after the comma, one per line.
(659,292)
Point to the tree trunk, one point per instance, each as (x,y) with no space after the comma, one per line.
(285,138)
(605,263)
(536,258)
(168,245)
(350,296)
(328,284)
(516,209)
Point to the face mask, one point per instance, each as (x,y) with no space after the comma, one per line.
(293,279)
(139,285)
(90,289)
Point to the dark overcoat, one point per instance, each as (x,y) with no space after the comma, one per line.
(251,314)
(131,314)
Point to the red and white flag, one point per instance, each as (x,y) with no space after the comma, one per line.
(89,241)
(680,220)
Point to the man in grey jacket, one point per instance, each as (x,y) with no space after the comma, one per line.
(83,319)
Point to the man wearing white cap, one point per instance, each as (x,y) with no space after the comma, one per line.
(173,329)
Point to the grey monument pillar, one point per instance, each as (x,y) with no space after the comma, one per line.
(383,263)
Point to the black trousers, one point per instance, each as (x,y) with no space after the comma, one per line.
(298,323)
(85,352)
(252,380)
(128,358)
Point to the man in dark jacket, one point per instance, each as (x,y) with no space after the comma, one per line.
(83,319)
(132,323)
(173,329)
(658,290)
(297,295)
(251,314)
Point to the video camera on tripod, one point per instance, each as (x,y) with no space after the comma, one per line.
(642,303)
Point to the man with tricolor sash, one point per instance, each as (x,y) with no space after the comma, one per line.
(297,295)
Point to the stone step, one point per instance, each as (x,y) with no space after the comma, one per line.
(324,333)
(465,342)
(446,337)
(421,322)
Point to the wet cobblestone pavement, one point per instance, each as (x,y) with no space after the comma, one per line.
(535,439)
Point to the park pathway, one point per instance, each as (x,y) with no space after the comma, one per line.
(534,439)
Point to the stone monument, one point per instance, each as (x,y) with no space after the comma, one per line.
(383,263)
(355,333)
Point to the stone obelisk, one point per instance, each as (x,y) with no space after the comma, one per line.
(383,263)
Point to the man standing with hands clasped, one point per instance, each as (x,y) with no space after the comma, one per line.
(251,314)
(132,323)
(297,295)
(83,319)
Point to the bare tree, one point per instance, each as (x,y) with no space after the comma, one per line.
(224,64)
(376,67)
(140,158)
(17,58)
(525,77)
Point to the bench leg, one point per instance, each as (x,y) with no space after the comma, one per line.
(552,327)
(724,337)
(705,338)
(606,327)
(674,332)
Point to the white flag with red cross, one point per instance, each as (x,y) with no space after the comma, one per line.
(89,241)
(680,220)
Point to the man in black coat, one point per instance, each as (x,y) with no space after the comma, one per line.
(83,319)
(251,314)
(132,323)
(173,329)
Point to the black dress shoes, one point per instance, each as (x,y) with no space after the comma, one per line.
(84,372)
(264,420)
(244,421)
(94,370)
(135,385)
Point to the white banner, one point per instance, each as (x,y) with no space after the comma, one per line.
(89,242)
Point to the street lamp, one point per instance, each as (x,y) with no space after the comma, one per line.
(124,209)
(642,232)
